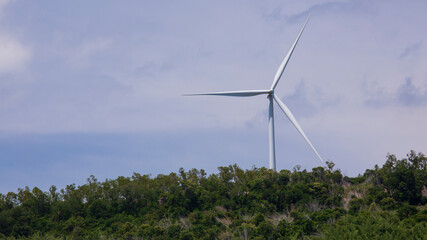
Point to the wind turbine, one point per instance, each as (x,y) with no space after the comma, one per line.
(271,95)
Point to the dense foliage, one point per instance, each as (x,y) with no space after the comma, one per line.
(383,203)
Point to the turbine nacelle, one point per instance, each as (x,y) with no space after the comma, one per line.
(271,96)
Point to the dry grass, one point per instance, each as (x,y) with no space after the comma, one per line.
(314,206)
(185,223)
(354,191)
(220,209)
(247,217)
(165,223)
(225,236)
(225,220)
(276,218)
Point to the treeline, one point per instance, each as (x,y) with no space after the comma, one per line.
(387,202)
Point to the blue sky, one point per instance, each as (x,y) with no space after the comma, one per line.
(95,87)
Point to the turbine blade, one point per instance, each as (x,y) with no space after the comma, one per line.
(291,117)
(286,59)
(248,93)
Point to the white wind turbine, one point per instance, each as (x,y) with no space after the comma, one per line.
(271,95)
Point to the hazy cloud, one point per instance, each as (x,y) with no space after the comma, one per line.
(300,102)
(83,55)
(376,96)
(410,50)
(411,96)
(292,13)
(121,67)
(2,5)
(407,94)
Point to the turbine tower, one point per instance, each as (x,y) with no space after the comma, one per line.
(271,95)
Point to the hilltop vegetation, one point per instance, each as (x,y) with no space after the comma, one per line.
(384,203)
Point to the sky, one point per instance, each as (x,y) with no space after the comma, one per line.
(95,87)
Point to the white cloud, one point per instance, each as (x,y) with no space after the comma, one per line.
(13,54)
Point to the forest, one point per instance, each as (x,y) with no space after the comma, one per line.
(387,202)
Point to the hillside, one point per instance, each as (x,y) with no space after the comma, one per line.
(382,203)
